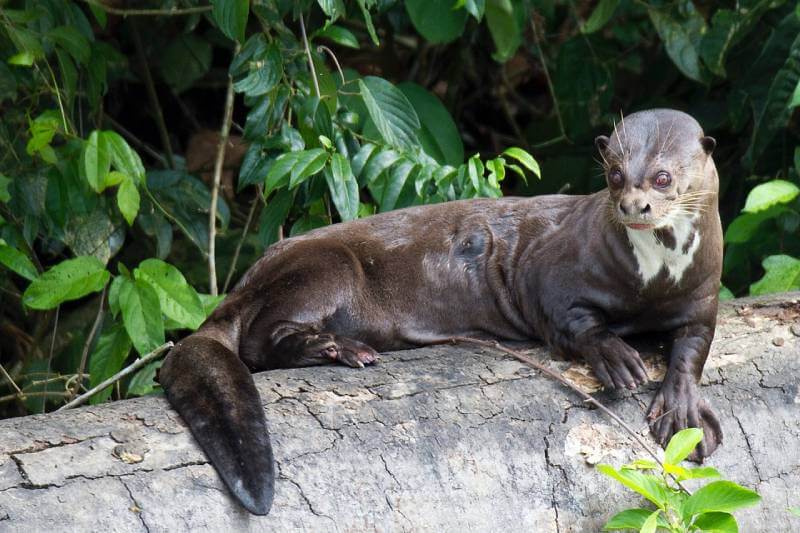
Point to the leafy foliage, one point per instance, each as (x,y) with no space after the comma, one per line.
(707,509)
(341,109)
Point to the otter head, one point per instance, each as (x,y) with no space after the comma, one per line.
(658,167)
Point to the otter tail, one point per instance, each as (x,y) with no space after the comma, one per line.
(213,391)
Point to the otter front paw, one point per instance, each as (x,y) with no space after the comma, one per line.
(616,364)
(677,406)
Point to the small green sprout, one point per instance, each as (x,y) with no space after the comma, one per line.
(707,509)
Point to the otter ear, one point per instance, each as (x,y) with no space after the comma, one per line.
(709,143)
(601,142)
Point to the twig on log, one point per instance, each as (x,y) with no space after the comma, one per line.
(50,355)
(136,365)
(212,212)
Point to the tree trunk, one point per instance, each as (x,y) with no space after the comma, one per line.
(437,439)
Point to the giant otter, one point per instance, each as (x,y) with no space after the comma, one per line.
(579,272)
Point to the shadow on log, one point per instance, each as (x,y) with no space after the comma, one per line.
(442,438)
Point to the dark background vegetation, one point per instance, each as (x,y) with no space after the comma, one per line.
(468,77)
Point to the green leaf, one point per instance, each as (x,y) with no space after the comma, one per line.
(184,61)
(42,129)
(503,26)
(525,159)
(476,8)
(716,523)
(600,16)
(143,382)
(633,519)
(719,39)
(17,262)
(278,175)
(795,510)
(71,40)
(677,36)
(96,160)
(725,294)
(257,68)
(377,165)
(107,359)
(436,20)
(210,302)
(770,193)
(124,158)
(439,135)
(343,187)
(177,299)
(141,314)
(231,17)
(333,9)
(22,59)
(392,113)
(308,163)
(274,215)
(681,445)
(339,35)
(719,496)
(745,226)
(649,525)
(128,200)
(5,196)
(368,20)
(782,274)
(389,188)
(69,280)
(475,171)
(113,291)
(795,98)
(703,472)
(647,485)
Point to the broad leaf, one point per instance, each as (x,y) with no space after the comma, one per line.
(343,187)
(141,314)
(649,525)
(96,160)
(17,261)
(600,16)
(124,158)
(69,280)
(678,38)
(525,159)
(771,193)
(717,523)
(274,215)
(681,445)
(71,40)
(308,163)
(633,519)
(647,485)
(4,183)
(503,26)
(436,20)
(339,35)
(392,113)
(107,359)
(439,135)
(782,274)
(231,17)
(333,9)
(719,496)
(184,61)
(177,299)
(257,68)
(128,200)
(143,382)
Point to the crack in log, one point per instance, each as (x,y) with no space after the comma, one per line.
(136,508)
(749,446)
(305,498)
(560,468)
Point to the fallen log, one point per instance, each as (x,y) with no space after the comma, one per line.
(441,438)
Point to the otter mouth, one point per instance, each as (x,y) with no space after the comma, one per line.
(640,227)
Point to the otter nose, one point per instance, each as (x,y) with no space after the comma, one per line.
(634,207)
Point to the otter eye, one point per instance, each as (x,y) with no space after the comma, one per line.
(663,179)
(615,178)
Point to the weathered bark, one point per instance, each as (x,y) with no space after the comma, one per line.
(444,438)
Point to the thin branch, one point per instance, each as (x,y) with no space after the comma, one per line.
(550,87)
(308,54)
(42,394)
(236,252)
(50,356)
(85,354)
(151,94)
(148,12)
(136,365)
(8,378)
(212,212)
(323,48)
